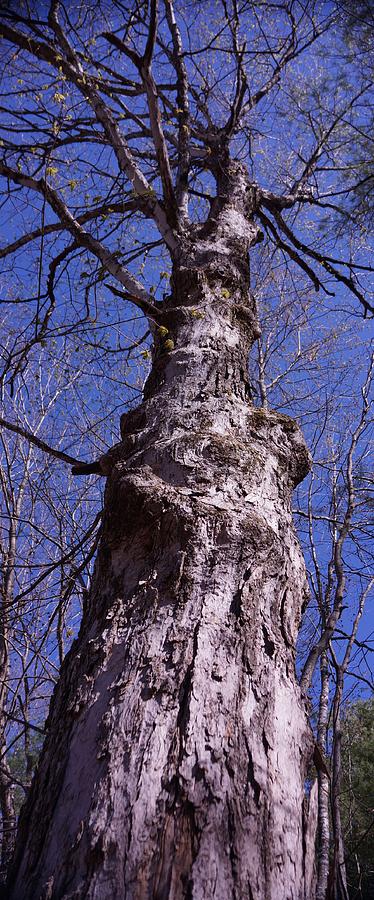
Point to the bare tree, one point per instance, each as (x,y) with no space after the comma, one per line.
(341,571)
(44,563)
(178,739)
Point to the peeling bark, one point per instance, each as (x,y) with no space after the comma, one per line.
(178,740)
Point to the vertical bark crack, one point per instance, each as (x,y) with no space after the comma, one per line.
(185,692)
(268,643)
(283,621)
(251,777)
(236,603)
(265,742)
(232,850)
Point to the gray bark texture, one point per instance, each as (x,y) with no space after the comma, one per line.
(178,742)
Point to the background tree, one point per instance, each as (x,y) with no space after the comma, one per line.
(47,542)
(344,574)
(177,689)
(357,796)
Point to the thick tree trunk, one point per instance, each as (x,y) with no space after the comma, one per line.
(178,741)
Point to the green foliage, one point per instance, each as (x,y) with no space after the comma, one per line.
(358,797)
(22,764)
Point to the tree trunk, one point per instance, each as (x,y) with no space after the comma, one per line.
(339,875)
(8,818)
(8,815)
(178,741)
(323,786)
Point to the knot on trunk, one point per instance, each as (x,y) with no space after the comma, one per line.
(286,434)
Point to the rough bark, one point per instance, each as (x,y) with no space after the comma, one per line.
(178,740)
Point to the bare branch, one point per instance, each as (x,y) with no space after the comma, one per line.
(91,214)
(147,199)
(83,238)
(292,253)
(343,533)
(143,64)
(184,157)
(58,454)
(324,261)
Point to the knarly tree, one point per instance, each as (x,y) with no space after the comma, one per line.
(178,740)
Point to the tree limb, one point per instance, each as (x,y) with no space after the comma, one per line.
(82,237)
(58,454)
(147,199)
